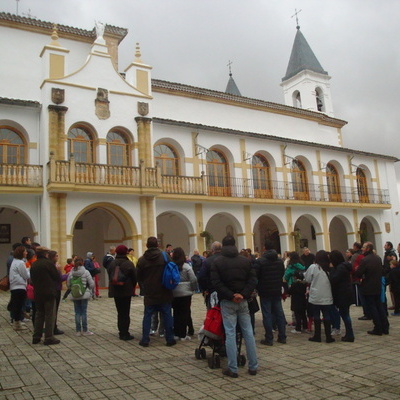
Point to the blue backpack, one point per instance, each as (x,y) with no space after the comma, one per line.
(171,276)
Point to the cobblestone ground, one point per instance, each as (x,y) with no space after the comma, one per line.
(103,367)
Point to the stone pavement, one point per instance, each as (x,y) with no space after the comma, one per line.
(104,367)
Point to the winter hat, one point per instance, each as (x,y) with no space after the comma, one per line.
(89,254)
(121,250)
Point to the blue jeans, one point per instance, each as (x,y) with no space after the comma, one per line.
(272,306)
(232,314)
(345,314)
(335,316)
(80,307)
(165,310)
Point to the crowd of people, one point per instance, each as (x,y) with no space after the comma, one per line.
(321,287)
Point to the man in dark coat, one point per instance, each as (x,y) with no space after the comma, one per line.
(122,284)
(234,279)
(150,270)
(307,258)
(270,270)
(45,279)
(371,270)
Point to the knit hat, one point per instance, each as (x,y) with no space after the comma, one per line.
(121,250)
(89,254)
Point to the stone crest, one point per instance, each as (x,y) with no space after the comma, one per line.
(102,104)
(57,95)
(387,227)
(143,108)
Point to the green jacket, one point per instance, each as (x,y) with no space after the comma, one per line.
(290,271)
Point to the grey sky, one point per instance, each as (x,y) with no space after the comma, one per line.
(191,41)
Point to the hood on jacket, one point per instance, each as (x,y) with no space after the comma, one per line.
(229,251)
(151,254)
(78,272)
(271,255)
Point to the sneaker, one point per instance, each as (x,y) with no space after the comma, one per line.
(87,333)
(186,338)
(152,332)
(336,332)
(176,337)
(294,331)
(252,371)
(161,335)
(79,333)
(228,372)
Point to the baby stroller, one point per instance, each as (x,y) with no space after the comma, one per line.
(213,335)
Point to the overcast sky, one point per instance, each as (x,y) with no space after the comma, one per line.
(191,42)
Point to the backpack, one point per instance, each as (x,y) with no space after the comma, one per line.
(77,287)
(117,277)
(171,275)
(213,325)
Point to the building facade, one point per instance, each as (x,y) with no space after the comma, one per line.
(91,156)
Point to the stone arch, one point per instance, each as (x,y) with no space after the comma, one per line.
(307,232)
(175,228)
(370,231)
(268,226)
(339,238)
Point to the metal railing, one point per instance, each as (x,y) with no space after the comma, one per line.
(21,175)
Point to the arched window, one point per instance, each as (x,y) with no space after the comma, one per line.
(117,149)
(261,177)
(319,98)
(218,174)
(12,147)
(332,179)
(299,180)
(362,186)
(167,159)
(297,99)
(80,144)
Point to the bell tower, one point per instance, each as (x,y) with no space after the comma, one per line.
(306,84)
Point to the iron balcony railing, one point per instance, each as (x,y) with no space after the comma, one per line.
(21,175)
(248,188)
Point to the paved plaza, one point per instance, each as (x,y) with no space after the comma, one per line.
(104,367)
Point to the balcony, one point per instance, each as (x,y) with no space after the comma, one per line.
(21,175)
(276,190)
(101,177)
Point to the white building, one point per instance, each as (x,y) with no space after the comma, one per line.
(91,157)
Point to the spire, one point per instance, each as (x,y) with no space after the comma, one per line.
(231,87)
(302,57)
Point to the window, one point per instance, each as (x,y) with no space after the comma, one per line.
(12,147)
(80,144)
(362,186)
(218,175)
(319,98)
(299,180)
(297,99)
(261,177)
(117,149)
(167,159)
(332,178)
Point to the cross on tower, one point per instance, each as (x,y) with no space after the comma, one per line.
(229,65)
(297,18)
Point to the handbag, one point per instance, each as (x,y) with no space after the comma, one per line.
(95,272)
(5,283)
(30,293)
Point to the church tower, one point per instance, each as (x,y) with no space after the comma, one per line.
(306,84)
(231,87)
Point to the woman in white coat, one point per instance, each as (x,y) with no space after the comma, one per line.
(317,275)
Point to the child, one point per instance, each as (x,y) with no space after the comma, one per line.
(394,282)
(298,304)
(81,302)
(67,269)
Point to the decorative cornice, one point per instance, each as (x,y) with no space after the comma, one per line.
(17,102)
(194,126)
(179,89)
(32,24)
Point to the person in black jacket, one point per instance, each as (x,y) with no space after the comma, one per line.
(270,271)
(234,279)
(342,290)
(121,287)
(371,270)
(298,301)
